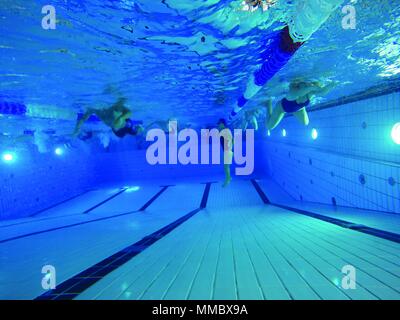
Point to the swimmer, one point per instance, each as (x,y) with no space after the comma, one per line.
(249,118)
(41,139)
(296,101)
(129,128)
(242,17)
(253,5)
(226,144)
(104,137)
(116,117)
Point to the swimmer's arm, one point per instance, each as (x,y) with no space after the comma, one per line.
(329,87)
(118,123)
(324,89)
(84,118)
(125,115)
(295,94)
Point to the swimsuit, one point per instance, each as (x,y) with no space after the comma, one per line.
(293,106)
(124,131)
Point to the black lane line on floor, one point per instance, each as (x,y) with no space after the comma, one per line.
(206,193)
(77,223)
(60,203)
(106,200)
(148,203)
(74,286)
(395,237)
(260,192)
(64,227)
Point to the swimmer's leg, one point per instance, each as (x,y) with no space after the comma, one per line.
(276,116)
(82,120)
(302,116)
(254,122)
(228,178)
(269,108)
(228,157)
(245,125)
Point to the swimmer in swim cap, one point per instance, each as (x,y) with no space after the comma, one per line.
(296,101)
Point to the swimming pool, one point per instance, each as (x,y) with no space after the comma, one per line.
(116,183)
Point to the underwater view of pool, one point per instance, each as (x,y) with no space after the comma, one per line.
(221,150)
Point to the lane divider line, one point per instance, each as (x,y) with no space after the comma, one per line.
(148,203)
(78,223)
(106,200)
(260,192)
(60,203)
(206,193)
(74,286)
(387,235)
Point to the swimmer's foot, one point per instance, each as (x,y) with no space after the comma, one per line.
(226,182)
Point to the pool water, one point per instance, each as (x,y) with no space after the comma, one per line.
(89,216)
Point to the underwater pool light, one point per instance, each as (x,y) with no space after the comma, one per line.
(132,189)
(8,157)
(396,133)
(314,134)
(283,132)
(59,151)
(268,133)
(336,281)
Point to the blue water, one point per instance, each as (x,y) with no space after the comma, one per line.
(153,54)
(320,197)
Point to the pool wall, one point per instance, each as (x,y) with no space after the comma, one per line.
(35,182)
(353,162)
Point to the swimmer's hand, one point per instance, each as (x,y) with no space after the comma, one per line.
(328,87)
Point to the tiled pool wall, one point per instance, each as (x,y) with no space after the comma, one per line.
(37,181)
(353,162)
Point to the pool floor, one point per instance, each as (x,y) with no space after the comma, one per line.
(199,241)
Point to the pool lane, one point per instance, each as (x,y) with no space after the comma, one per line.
(130,202)
(352,222)
(239,193)
(82,203)
(255,252)
(72,287)
(220,252)
(72,250)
